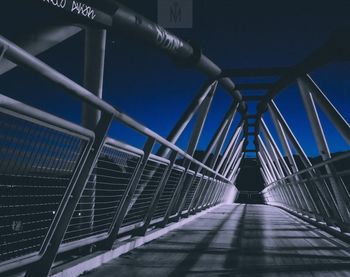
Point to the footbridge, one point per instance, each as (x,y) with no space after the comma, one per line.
(77,197)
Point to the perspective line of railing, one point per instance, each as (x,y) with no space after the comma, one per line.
(111,188)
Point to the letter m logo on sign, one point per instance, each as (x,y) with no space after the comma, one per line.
(175,13)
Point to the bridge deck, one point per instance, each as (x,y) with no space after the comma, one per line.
(237,240)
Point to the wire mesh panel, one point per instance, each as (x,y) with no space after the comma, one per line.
(145,191)
(186,184)
(209,192)
(103,193)
(203,194)
(329,181)
(215,192)
(168,192)
(200,193)
(37,162)
(191,193)
(216,197)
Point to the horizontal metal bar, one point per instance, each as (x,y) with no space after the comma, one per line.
(131,24)
(21,57)
(124,146)
(11,106)
(312,168)
(64,247)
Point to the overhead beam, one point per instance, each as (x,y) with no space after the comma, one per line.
(336,48)
(120,19)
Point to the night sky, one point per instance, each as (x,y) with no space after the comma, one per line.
(148,86)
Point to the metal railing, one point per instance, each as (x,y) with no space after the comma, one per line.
(323,205)
(40,155)
(64,187)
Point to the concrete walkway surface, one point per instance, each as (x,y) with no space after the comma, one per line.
(237,240)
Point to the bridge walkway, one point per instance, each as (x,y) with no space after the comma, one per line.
(237,240)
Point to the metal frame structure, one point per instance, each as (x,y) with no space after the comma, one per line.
(101,189)
(85,215)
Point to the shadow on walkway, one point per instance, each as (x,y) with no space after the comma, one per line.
(237,240)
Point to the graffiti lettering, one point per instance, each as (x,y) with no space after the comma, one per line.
(167,41)
(83,9)
(58,3)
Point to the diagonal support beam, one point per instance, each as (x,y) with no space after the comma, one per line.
(222,138)
(340,192)
(236,155)
(313,190)
(230,148)
(217,141)
(187,116)
(202,116)
(332,113)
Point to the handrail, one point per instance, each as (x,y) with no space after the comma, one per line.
(23,58)
(306,170)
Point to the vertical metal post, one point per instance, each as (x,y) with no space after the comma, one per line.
(157,194)
(196,194)
(203,193)
(216,194)
(195,200)
(176,194)
(128,195)
(67,207)
(340,192)
(94,59)
(95,47)
(191,181)
(208,194)
(212,194)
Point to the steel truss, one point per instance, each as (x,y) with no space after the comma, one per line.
(102,188)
